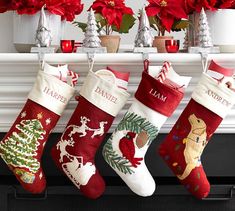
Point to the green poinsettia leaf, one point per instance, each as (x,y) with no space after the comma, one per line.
(101,22)
(81,25)
(156,24)
(152,20)
(180,25)
(98,17)
(128,22)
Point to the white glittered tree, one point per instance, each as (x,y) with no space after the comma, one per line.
(20,148)
(204,37)
(91,35)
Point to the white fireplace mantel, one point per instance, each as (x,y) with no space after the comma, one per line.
(18,72)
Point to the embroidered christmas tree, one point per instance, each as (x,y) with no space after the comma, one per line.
(20,148)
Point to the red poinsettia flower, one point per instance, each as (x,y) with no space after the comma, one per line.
(4,5)
(167,11)
(112,10)
(227,4)
(29,7)
(206,4)
(197,5)
(189,6)
(67,9)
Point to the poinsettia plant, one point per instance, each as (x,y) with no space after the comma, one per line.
(197,5)
(111,15)
(167,15)
(67,9)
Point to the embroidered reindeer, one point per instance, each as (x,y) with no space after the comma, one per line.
(99,131)
(80,129)
(195,144)
(61,145)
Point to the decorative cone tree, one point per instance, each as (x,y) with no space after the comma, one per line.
(204,36)
(91,35)
(144,36)
(20,148)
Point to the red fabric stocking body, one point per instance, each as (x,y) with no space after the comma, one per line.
(23,145)
(74,154)
(181,150)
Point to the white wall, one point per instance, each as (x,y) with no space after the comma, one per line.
(71,32)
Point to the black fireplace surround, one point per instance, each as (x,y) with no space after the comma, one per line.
(218,160)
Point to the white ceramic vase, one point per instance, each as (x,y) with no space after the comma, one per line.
(25,26)
(222,28)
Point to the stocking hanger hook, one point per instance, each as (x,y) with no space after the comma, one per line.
(41,59)
(145,61)
(91,60)
(205,61)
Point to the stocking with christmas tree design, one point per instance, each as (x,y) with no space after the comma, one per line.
(101,98)
(211,101)
(154,102)
(22,147)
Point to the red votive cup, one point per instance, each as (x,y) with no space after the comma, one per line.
(172,46)
(67,46)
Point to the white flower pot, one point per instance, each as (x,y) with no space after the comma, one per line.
(221,27)
(25,26)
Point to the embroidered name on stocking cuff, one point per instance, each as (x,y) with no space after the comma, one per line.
(51,93)
(158,96)
(214,95)
(103,94)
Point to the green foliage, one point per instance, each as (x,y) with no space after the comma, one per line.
(180,25)
(128,22)
(114,160)
(134,123)
(137,124)
(80,25)
(156,24)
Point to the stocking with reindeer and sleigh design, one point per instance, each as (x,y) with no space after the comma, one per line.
(101,98)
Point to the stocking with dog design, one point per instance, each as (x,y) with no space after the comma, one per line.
(23,145)
(211,101)
(155,100)
(102,96)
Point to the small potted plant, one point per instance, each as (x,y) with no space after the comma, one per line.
(220,15)
(166,16)
(111,16)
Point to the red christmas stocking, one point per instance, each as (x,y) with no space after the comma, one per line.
(101,98)
(211,101)
(22,147)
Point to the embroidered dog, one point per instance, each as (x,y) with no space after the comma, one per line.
(195,143)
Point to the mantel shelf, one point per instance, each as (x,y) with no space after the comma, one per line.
(117,58)
(18,72)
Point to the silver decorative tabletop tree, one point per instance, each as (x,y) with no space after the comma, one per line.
(91,35)
(204,36)
(204,40)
